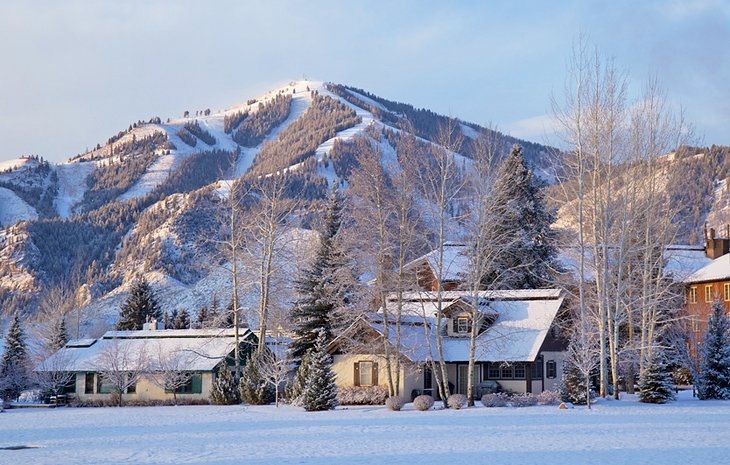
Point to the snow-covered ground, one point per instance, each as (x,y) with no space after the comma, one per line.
(71,185)
(684,432)
(13,208)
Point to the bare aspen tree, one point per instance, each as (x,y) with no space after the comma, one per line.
(373,213)
(170,369)
(480,182)
(265,241)
(120,365)
(441,182)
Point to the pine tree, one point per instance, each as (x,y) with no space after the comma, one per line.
(296,387)
(521,230)
(59,335)
(714,378)
(182,320)
(319,294)
(224,390)
(656,382)
(203,317)
(214,314)
(573,387)
(14,366)
(140,306)
(255,390)
(320,392)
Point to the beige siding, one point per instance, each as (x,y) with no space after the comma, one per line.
(145,390)
(344,368)
(553,384)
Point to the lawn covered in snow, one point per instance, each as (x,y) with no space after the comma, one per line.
(624,432)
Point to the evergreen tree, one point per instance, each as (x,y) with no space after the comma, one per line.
(224,390)
(182,320)
(214,313)
(59,335)
(573,386)
(656,383)
(521,230)
(203,317)
(170,318)
(296,387)
(714,378)
(319,294)
(140,306)
(255,390)
(14,366)
(320,392)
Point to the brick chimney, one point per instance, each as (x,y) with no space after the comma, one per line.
(716,247)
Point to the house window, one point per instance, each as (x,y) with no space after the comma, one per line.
(551,369)
(520,371)
(103,386)
(726,289)
(132,388)
(507,371)
(366,373)
(193,386)
(493,371)
(462,325)
(708,293)
(89,383)
(537,369)
(693,295)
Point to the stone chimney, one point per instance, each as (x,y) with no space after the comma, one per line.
(716,247)
(153,325)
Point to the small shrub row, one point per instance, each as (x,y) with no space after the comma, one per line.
(521,400)
(111,402)
(358,395)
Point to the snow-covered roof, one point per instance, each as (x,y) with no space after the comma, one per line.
(680,261)
(523,321)
(193,349)
(455,262)
(718,269)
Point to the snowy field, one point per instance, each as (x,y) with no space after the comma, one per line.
(625,432)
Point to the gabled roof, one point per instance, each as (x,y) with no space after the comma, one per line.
(455,262)
(195,349)
(717,270)
(522,323)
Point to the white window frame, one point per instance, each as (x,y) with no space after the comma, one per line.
(726,289)
(708,293)
(366,372)
(693,295)
(465,321)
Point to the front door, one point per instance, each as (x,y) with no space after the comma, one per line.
(463,381)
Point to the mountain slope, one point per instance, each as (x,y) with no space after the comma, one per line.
(144,201)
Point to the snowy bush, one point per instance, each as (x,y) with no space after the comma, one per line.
(714,379)
(456,401)
(224,390)
(548,398)
(357,395)
(394,403)
(423,402)
(495,400)
(523,400)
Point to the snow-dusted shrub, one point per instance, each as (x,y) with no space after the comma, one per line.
(423,402)
(357,395)
(523,400)
(548,398)
(394,403)
(495,400)
(456,401)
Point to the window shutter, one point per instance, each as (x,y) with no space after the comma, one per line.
(357,374)
(375,374)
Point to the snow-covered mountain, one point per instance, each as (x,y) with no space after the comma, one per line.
(141,202)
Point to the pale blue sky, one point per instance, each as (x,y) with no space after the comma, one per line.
(73,73)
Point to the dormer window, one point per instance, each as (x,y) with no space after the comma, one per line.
(462,325)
